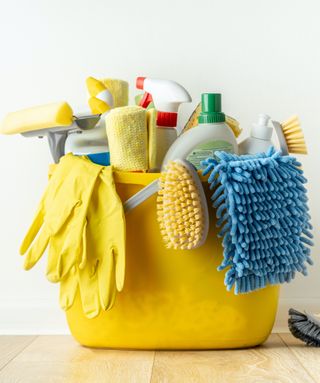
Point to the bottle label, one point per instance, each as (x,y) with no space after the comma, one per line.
(203,151)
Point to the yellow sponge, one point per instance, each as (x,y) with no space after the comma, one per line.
(128,138)
(101,99)
(152,137)
(119,90)
(37,118)
(98,106)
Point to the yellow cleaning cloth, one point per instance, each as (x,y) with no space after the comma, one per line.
(38,117)
(119,90)
(152,137)
(128,138)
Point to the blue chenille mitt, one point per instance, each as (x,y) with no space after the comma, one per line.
(263,214)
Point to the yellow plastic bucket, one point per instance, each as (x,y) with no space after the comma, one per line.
(173,299)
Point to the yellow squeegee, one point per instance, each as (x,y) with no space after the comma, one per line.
(53,120)
(37,118)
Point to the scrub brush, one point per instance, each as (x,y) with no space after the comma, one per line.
(290,136)
(193,122)
(305,327)
(182,205)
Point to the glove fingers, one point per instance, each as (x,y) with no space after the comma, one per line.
(54,221)
(75,229)
(83,259)
(42,240)
(55,265)
(37,250)
(71,254)
(115,226)
(64,252)
(106,277)
(58,216)
(120,263)
(89,292)
(68,289)
(33,231)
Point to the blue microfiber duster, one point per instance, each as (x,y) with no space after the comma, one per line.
(262,208)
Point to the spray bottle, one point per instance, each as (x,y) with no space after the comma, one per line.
(260,137)
(167,96)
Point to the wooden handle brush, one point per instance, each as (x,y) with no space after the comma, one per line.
(290,136)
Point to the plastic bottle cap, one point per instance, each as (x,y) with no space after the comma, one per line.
(140,82)
(261,130)
(211,109)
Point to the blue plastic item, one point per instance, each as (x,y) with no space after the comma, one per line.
(262,208)
(100,158)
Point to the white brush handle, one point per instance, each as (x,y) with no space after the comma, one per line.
(141,196)
(281,137)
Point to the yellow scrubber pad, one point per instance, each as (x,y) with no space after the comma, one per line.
(193,121)
(37,118)
(119,90)
(152,137)
(234,125)
(128,138)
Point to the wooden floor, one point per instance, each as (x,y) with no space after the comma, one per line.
(57,359)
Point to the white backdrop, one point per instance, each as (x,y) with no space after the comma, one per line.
(263,56)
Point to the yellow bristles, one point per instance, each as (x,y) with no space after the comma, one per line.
(293,136)
(182,211)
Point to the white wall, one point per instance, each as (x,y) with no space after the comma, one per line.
(264,56)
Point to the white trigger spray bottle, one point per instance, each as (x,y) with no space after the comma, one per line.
(167,96)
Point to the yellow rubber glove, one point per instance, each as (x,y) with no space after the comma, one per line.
(106,236)
(101,99)
(60,220)
(104,246)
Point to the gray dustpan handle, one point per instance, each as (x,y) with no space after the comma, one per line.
(141,196)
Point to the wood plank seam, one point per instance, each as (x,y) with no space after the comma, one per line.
(152,368)
(34,337)
(296,358)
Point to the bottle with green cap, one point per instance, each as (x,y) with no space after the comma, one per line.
(211,134)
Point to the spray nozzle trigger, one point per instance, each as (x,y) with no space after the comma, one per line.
(146,100)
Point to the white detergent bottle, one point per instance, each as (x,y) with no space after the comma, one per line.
(204,140)
(260,137)
(167,96)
